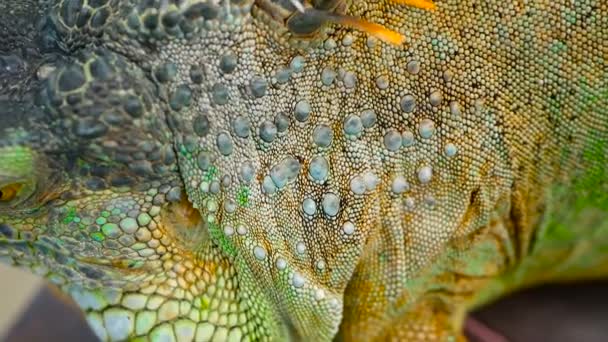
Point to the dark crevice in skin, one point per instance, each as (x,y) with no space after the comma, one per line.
(516,216)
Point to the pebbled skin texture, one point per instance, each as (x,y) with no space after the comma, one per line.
(191,170)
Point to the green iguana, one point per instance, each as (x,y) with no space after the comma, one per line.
(286,170)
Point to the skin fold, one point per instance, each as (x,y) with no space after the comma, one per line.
(356,170)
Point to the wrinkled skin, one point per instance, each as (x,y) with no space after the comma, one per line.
(189,170)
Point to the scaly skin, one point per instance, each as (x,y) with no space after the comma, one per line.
(192,170)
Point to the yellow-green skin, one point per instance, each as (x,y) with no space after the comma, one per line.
(192,170)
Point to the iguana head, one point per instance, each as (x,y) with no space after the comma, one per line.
(118,185)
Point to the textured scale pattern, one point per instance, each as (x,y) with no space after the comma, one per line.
(238,170)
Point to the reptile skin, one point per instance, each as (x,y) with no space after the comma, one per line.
(238,170)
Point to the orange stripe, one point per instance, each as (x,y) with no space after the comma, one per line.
(424,4)
(373,29)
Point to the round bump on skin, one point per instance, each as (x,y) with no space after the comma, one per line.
(228,62)
(268,186)
(100,69)
(283,75)
(357,185)
(215,187)
(278,174)
(435,98)
(382,82)
(241,229)
(230,206)
(426,128)
(196,75)
(392,140)
(71,78)
(399,185)
(282,122)
(331,204)
(129,225)
(348,39)
(413,67)
(241,126)
(322,136)
(407,138)
(201,125)
(181,97)
(448,76)
(219,94)
(247,171)
(174,195)
(330,44)
(425,174)
(408,103)
(259,253)
(450,150)
(309,206)
(371,180)
(353,125)
(328,76)
(267,131)
(204,161)
(228,231)
(302,110)
(133,107)
(348,228)
(297,64)
(298,280)
(318,168)
(320,265)
(166,72)
(224,143)
(350,80)
(368,118)
(300,247)
(281,264)
(258,86)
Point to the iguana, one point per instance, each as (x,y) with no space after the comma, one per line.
(287,170)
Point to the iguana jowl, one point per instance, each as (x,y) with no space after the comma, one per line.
(274,170)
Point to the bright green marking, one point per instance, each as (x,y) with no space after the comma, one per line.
(105,214)
(223,242)
(70,215)
(210,173)
(97,236)
(100,220)
(242,196)
(183,150)
(202,303)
